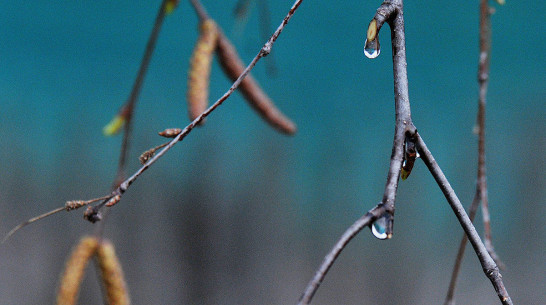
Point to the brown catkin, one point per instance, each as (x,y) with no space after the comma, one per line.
(112,275)
(200,64)
(255,96)
(74,271)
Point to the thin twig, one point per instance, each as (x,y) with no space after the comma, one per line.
(393,13)
(91,213)
(265,25)
(129,105)
(33,219)
(483,80)
(137,86)
(330,258)
(481,182)
(460,253)
(489,267)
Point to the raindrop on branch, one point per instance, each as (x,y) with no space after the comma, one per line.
(379,227)
(371,48)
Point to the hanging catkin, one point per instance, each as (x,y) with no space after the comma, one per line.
(112,275)
(74,271)
(255,96)
(199,76)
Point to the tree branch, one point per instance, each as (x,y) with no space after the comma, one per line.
(481,182)
(92,212)
(488,265)
(405,133)
(392,13)
(330,258)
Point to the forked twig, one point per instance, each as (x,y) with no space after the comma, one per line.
(392,13)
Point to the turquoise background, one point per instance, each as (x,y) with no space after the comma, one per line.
(240,214)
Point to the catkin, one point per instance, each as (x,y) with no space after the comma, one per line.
(255,96)
(199,76)
(112,275)
(74,271)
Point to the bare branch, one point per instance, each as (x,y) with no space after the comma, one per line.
(92,214)
(488,264)
(483,80)
(330,258)
(481,182)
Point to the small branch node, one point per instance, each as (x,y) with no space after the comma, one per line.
(92,214)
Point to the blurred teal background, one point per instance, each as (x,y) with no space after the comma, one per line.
(239,214)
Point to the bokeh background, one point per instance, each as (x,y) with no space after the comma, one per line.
(239,214)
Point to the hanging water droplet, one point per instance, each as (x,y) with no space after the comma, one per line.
(379,227)
(372,48)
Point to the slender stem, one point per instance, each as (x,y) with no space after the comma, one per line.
(450,300)
(263,52)
(393,12)
(33,219)
(200,10)
(481,182)
(488,264)
(483,80)
(137,86)
(330,258)
(265,29)
(129,105)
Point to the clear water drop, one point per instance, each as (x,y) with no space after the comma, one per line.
(379,227)
(372,48)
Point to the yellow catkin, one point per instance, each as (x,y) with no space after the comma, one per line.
(200,65)
(112,275)
(75,269)
(254,95)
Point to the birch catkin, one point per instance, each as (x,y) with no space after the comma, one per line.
(255,96)
(199,76)
(112,275)
(74,271)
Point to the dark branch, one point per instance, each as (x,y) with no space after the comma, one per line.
(392,13)
(330,258)
(488,265)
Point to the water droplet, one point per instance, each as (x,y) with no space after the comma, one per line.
(379,227)
(372,48)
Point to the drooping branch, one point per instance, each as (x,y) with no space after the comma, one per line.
(137,87)
(392,13)
(329,259)
(129,108)
(489,267)
(481,181)
(406,138)
(92,212)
